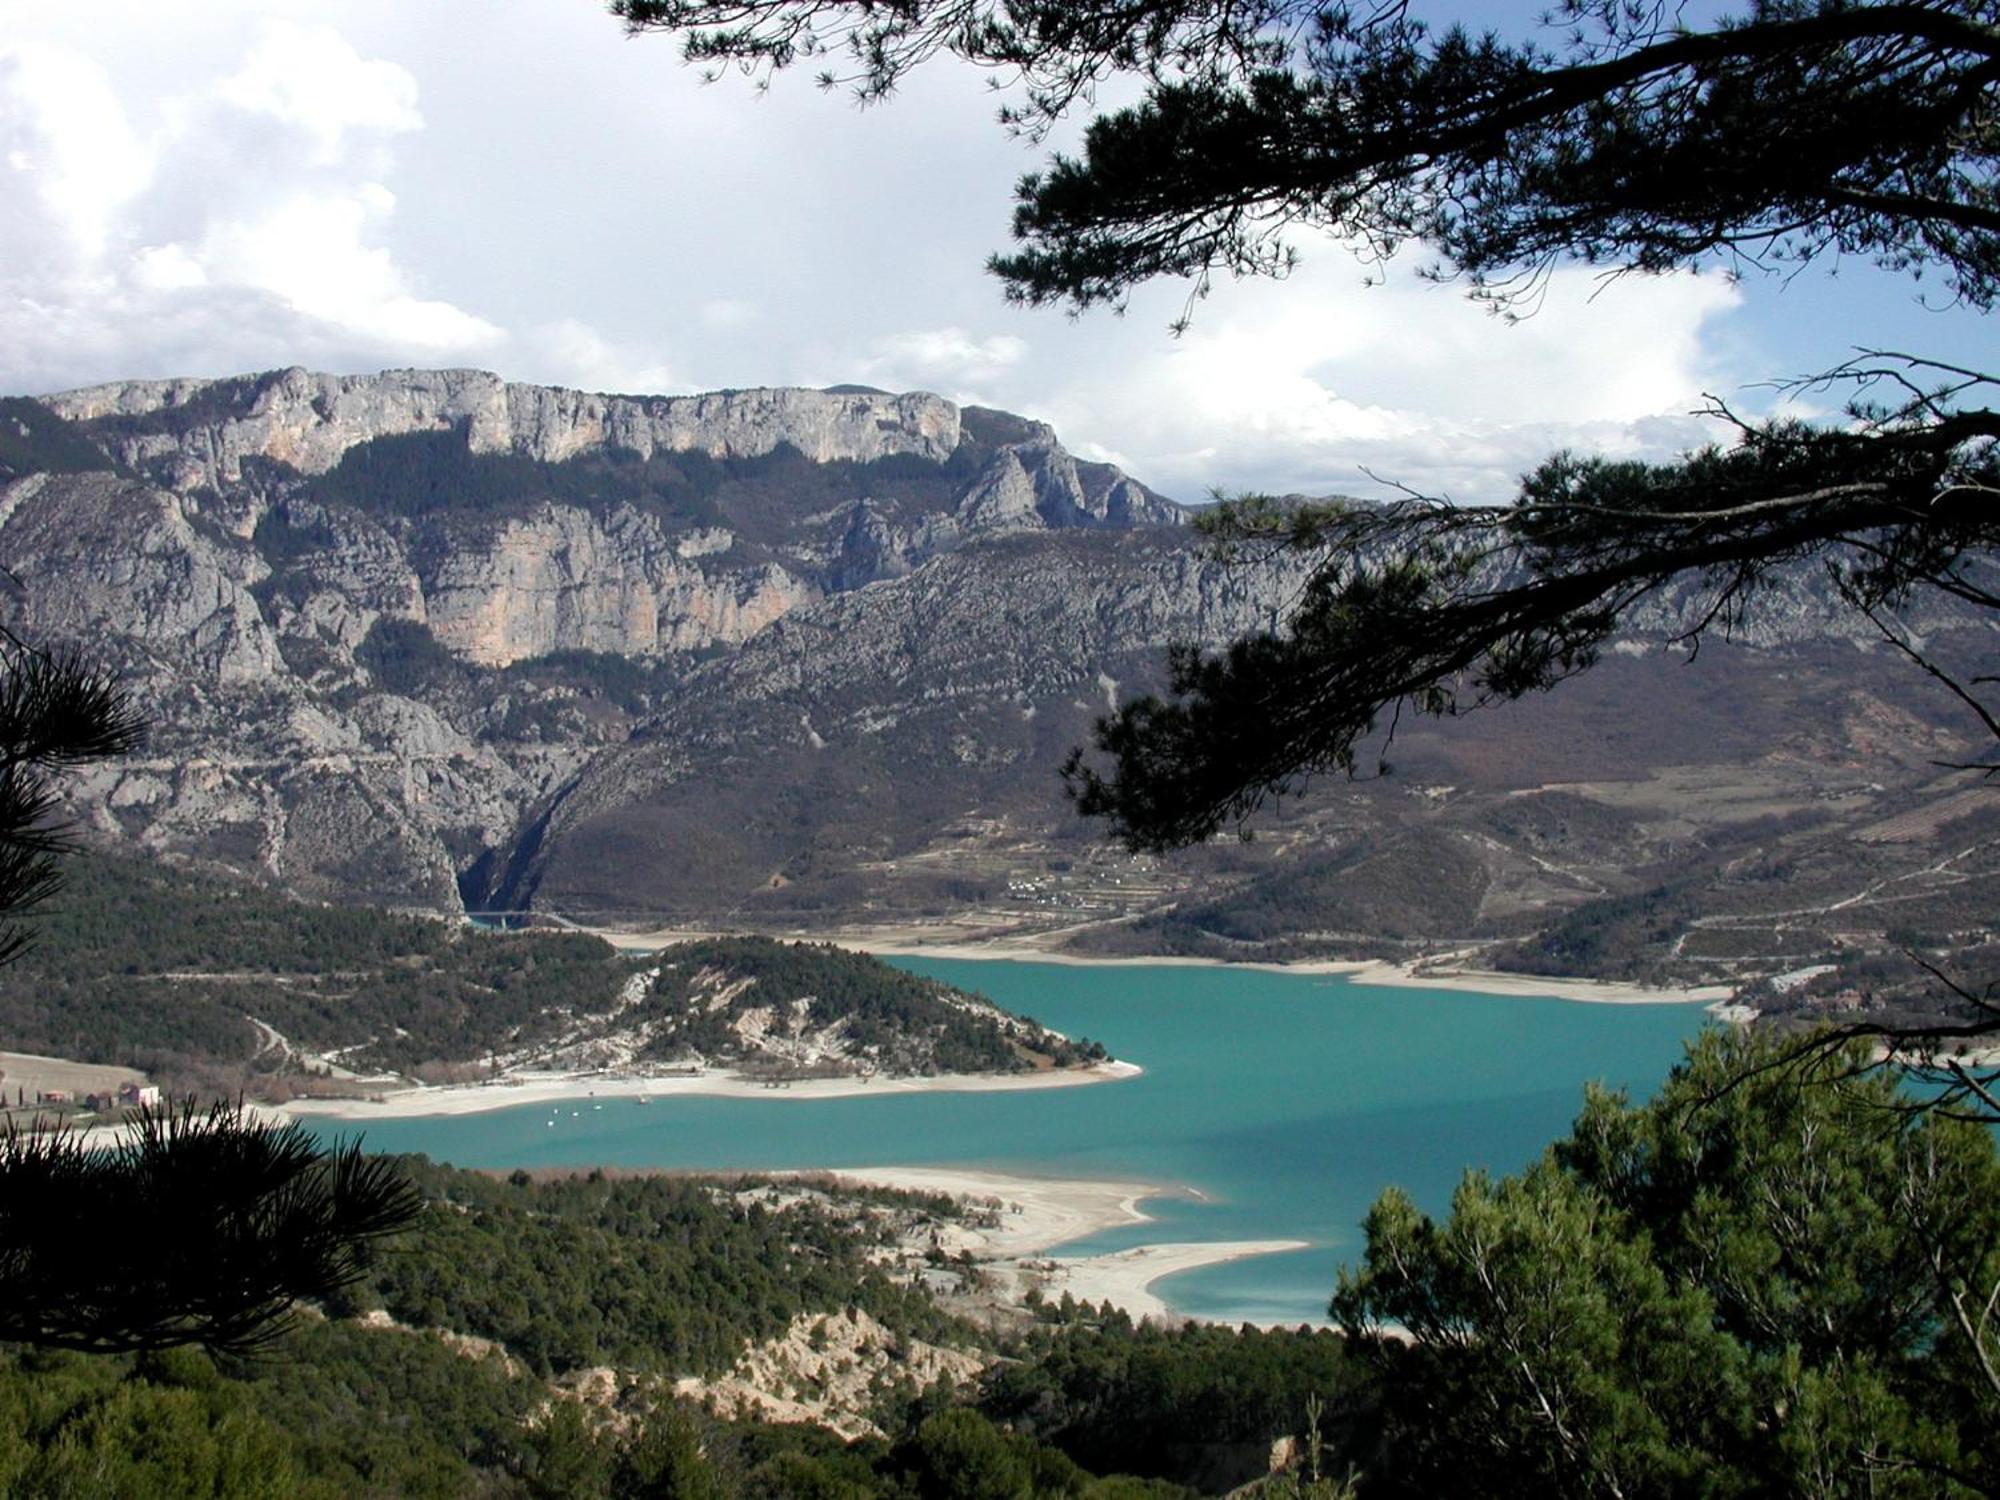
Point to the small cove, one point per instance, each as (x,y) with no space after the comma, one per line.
(1273,1105)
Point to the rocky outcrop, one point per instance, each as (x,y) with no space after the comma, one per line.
(561,580)
(100,555)
(194,434)
(365,697)
(827,1369)
(1032,485)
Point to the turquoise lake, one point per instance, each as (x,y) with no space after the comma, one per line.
(1273,1106)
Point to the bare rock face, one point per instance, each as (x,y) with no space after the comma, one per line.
(368,666)
(103,555)
(1032,485)
(261,756)
(197,433)
(873,717)
(561,581)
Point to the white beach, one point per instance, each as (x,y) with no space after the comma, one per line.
(552,1088)
(1125,1278)
(1497,982)
(1419,974)
(1039,1213)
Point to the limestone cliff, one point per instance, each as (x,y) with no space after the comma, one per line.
(198,433)
(379,620)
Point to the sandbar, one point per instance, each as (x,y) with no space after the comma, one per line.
(1037,1214)
(1417,974)
(1499,982)
(1125,1278)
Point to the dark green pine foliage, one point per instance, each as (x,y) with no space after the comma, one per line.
(136,963)
(57,713)
(1626,135)
(192,1228)
(1774,1278)
(659,1274)
(437,477)
(1156,1402)
(34,440)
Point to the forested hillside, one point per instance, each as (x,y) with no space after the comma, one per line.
(214,984)
(525,1340)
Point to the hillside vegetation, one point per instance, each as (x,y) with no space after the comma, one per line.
(1750,1289)
(652,1275)
(526,1338)
(212,983)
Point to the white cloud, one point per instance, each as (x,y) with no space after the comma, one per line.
(572,353)
(729,312)
(167,268)
(311,79)
(1303,385)
(316,253)
(950,361)
(73,161)
(244,224)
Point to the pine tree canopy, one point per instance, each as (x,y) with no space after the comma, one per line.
(1627,137)
(56,712)
(196,1227)
(1768,1280)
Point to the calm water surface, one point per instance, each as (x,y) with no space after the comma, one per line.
(1273,1106)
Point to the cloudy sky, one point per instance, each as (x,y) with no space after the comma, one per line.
(206,187)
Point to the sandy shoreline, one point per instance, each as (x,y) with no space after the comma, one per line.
(1035,948)
(1361,971)
(1038,1214)
(1125,1278)
(607,1088)
(1496,982)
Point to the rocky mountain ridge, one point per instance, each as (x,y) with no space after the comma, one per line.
(795,658)
(198,434)
(270,559)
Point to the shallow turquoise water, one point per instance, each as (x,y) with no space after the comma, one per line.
(1275,1105)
